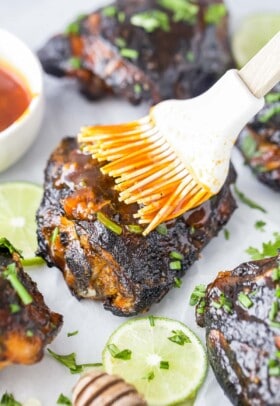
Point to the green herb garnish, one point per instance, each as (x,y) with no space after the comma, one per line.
(4,243)
(175,265)
(73,333)
(244,299)
(129,53)
(272,97)
(75,62)
(249,146)
(226,234)
(11,275)
(14,308)
(183,10)
(109,223)
(223,302)
(162,229)
(177,282)
(263,118)
(121,16)
(269,249)
(69,361)
(63,400)
(274,367)
(275,324)
(54,235)
(244,199)
(135,228)
(152,321)
(197,294)
(9,400)
(179,337)
(151,20)
(259,225)
(125,355)
(215,13)
(276,274)
(109,11)
(190,56)
(29,333)
(150,376)
(164,365)
(120,42)
(176,255)
(273,311)
(137,88)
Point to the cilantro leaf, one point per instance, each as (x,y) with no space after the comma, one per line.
(69,361)
(63,400)
(9,400)
(244,199)
(269,249)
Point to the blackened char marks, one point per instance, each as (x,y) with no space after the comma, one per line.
(24,329)
(128,272)
(113,55)
(241,341)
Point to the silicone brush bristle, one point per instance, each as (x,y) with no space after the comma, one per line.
(146,170)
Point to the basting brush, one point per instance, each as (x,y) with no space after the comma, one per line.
(178,156)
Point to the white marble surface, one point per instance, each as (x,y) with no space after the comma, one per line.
(34,21)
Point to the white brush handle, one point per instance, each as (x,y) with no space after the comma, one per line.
(262,72)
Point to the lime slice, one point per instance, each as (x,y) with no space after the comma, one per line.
(18,204)
(161,357)
(254,32)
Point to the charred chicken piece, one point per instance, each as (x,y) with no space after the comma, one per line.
(94,240)
(259,142)
(241,314)
(143,49)
(24,328)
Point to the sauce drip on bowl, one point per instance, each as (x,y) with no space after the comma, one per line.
(14,96)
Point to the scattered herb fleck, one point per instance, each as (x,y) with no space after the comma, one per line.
(152,321)
(249,146)
(177,282)
(4,243)
(75,62)
(151,20)
(69,361)
(134,228)
(9,400)
(272,97)
(137,88)
(274,367)
(183,10)
(269,249)
(121,16)
(11,275)
(269,113)
(259,225)
(29,333)
(120,42)
(276,274)
(176,255)
(226,234)
(54,235)
(273,311)
(164,365)
(162,229)
(73,333)
(129,53)
(63,400)
(190,56)
(197,294)
(223,302)
(244,300)
(150,376)
(192,230)
(244,199)
(116,353)
(109,223)
(109,11)
(14,308)
(175,265)
(215,13)
(179,337)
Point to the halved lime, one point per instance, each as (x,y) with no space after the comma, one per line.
(18,204)
(254,32)
(161,357)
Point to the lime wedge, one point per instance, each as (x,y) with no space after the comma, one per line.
(254,32)
(18,204)
(161,357)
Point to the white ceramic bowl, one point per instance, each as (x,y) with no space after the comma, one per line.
(18,137)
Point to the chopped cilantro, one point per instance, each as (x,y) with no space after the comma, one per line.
(249,146)
(164,365)
(109,11)
(183,10)
(177,282)
(134,228)
(151,20)
(69,361)
(223,302)
(272,97)
(215,13)
(63,400)
(75,62)
(73,333)
(9,400)
(116,353)
(129,53)
(11,275)
(121,16)
(162,229)
(150,376)
(137,88)
(259,225)
(29,333)
(197,294)
(244,299)
(269,249)
(14,308)
(226,234)
(74,27)
(190,56)
(175,265)
(244,199)
(269,113)
(120,42)
(179,337)
(176,255)
(4,243)
(54,235)
(152,321)
(111,225)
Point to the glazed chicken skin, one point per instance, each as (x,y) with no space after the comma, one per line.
(240,312)
(182,51)
(24,329)
(259,142)
(95,241)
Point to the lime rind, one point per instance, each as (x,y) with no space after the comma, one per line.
(253,33)
(187,363)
